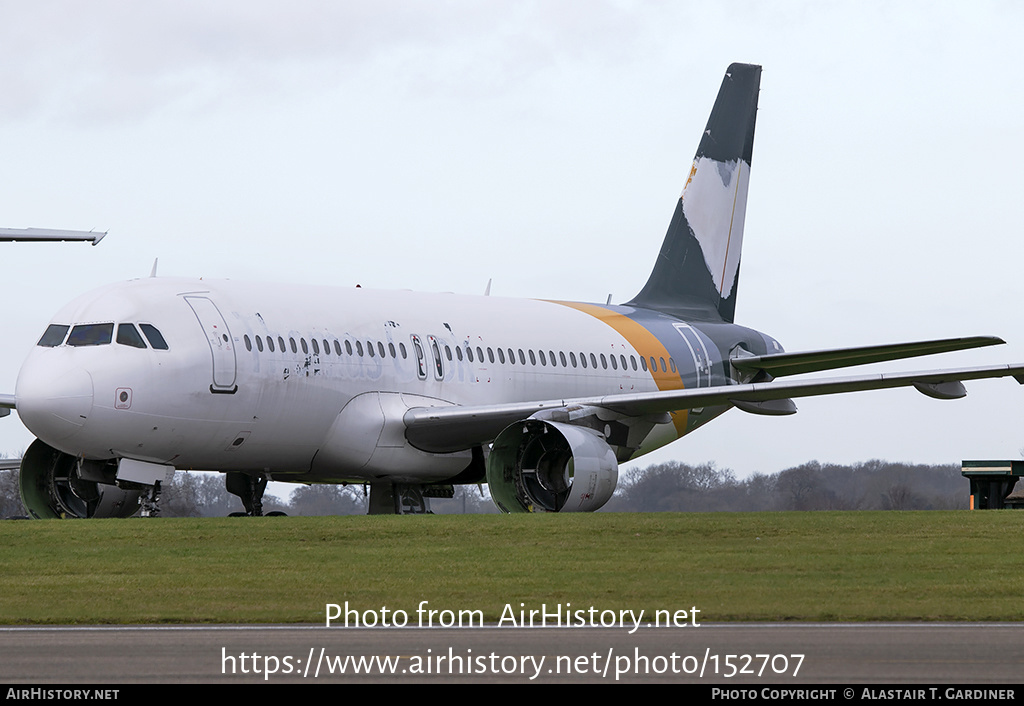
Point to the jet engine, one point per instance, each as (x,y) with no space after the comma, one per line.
(542,466)
(57,485)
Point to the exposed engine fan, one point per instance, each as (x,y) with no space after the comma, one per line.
(56,485)
(542,466)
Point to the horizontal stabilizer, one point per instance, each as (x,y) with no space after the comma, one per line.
(780,364)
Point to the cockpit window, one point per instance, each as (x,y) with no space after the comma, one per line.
(128,335)
(53,335)
(154,337)
(91,335)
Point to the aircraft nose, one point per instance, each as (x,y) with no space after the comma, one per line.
(54,406)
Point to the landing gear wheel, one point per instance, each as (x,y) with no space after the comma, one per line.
(249,488)
(150,501)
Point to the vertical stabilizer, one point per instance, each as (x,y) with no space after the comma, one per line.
(697,271)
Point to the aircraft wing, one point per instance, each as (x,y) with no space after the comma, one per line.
(6,404)
(447,429)
(37,235)
(10,464)
(780,364)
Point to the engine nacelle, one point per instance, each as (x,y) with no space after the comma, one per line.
(541,466)
(53,486)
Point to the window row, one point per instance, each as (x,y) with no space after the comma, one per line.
(273,345)
(102,334)
(463,352)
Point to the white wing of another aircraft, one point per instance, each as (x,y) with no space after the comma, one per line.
(41,235)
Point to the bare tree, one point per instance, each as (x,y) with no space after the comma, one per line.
(325,499)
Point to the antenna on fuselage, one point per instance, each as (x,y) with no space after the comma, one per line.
(152,273)
(487,289)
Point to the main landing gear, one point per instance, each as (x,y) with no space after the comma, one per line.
(249,488)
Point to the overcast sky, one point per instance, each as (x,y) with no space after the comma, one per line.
(434,146)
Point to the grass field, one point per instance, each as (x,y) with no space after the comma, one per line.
(811,566)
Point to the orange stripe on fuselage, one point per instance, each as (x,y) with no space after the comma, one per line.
(645,343)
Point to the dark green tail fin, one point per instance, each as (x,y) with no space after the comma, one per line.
(697,271)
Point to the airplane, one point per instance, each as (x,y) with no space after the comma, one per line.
(413,393)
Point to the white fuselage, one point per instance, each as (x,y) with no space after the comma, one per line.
(270,392)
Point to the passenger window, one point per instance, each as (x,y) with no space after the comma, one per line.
(348,346)
(270,343)
(91,335)
(391,349)
(292,341)
(316,346)
(53,335)
(128,335)
(337,347)
(380,348)
(259,344)
(280,343)
(305,348)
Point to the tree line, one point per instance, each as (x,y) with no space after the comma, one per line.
(664,487)
(872,485)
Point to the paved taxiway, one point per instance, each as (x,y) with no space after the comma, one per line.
(879,653)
